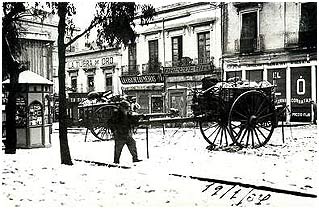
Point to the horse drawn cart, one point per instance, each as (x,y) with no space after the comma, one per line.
(228,113)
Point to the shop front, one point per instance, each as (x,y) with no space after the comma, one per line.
(295,85)
(148,90)
(180,81)
(74,100)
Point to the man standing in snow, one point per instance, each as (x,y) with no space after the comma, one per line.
(121,124)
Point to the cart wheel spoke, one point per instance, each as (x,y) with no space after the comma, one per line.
(216,136)
(221,137)
(260,107)
(217,129)
(257,137)
(242,137)
(269,115)
(240,114)
(252,138)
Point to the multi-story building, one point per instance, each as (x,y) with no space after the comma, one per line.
(274,41)
(88,71)
(173,53)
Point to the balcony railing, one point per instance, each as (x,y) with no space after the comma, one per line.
(78,88)
(151,67)
(130,70)
(90,88)
(249,45)
(301,39)
(186,61)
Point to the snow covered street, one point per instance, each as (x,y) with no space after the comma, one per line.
(180,172)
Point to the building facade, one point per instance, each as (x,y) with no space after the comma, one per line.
(274,41)
(89,71)
(178,48)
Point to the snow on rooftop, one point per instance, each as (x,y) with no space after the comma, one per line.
(31,77)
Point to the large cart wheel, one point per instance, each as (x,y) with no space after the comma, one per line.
(252,119)
(214,126)
(99,127)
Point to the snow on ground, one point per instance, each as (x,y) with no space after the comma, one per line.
(35,177)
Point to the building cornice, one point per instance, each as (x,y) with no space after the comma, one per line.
(72,54)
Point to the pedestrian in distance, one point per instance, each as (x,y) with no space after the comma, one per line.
(314,108)
(134,105)
(122,124)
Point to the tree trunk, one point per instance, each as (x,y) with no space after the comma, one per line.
(64,146)
(11,109)
(11,133)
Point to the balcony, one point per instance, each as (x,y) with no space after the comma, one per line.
(130,70)
(249,45)
(301,39)
(186,61)
(75,88)
(152,67)
(189,66)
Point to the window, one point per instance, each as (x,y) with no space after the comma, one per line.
(74,83)
(90,83)
(203,47)
(156,104)
(153,56)
(254,75)
(108,82)
(153,50)
(177,49)
(308,24)
(132,59)
(248,35)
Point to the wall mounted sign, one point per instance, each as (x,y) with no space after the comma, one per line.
(90,63)
(157,78)
(188,69)
(278,78)
(301,94)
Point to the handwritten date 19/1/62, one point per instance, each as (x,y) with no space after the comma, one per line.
(237,195)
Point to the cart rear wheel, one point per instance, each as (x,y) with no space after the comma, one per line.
(99,127)
(252,119)
(213,125)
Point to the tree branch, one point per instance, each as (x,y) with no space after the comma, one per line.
(93,24)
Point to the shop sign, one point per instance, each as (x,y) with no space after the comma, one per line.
(300,94)
(77,97)
(90,63)
(278,78)
(188,69)
(142,79)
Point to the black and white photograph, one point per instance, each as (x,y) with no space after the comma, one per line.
(162,104)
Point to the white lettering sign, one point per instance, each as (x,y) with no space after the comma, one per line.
(301,86)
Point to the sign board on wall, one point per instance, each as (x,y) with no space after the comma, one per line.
(157,78)
(301,94)
(278,78)
(90,63)
(188,69)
